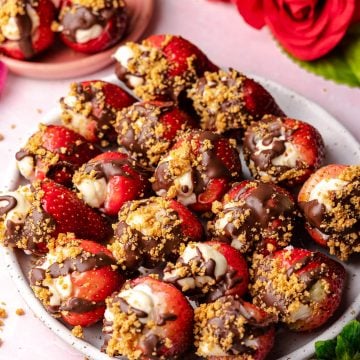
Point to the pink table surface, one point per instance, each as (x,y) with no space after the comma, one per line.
(228,41)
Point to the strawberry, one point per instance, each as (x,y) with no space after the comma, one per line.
(91,107)
(162,67)
(54,152)
(330,202)
(207,271)
(74,280)
(149,318)
(109,180)
(148,129)
(30,38)
(248,330)
(303,288)
(198,169)
(283,150)
(151,231)
(93,27)
(227,102)
(255,216)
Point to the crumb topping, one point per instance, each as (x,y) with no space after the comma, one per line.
(218,99)
(100,4)
(78,331)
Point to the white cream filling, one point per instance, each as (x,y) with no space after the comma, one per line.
(60,289)
(185,180)
(317,292)
(206,349)
(142,298)
(93,191)
(84,35)
(26,167)
(321,192)
(303,312)
(11,30)
(23,196)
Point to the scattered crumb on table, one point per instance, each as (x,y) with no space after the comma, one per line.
(13,126)
(39,111)
(2,137)
(20,312)
(78,331)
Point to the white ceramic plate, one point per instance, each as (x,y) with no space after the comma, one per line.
(341,147)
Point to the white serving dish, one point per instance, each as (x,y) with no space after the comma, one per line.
(341,147)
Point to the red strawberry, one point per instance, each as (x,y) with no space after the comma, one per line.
(198,169)
(255,216)
(303,288)
(91,107)
(150,318)
(109,180)
(330,202)
(91,29)
(32,38)
(54,152)
(74,280)
(207,271)
(161,67)
(151,231)
(246,328)
(283,150)
(148,129)
(227,102)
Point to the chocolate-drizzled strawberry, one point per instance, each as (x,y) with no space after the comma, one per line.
(91,26)
(233,328)
(148,319)
(74,279)
(46,211)
(54,152)
(198,169)
(301,287)
(330,201)
(90,109)
(283,150)
(151,231)
(161,67)
(109,180)
(227,102)
(25,27)
(148,129)
(255,216)
(207,271)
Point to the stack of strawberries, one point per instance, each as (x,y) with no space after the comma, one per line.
(138,212)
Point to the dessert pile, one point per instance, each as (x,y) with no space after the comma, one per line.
(29,27)
(138,214)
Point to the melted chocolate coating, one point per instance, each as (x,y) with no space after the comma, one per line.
(11,204)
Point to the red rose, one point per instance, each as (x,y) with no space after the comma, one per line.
(308,29)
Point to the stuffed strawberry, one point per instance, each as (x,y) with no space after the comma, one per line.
(74,279)
(148,319)
(301,287)
(255,216)
(198,169)
(92,26)
(91,107)
(25,27)
(231,328)
(330,201)
(148,129)
(30,219)
(109,180)
(227,102)
(208,271)
(161,67)
(151,231)
(54,152)
(283,150)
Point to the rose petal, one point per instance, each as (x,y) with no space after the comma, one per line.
(252,12)
(3,75)
(314,35)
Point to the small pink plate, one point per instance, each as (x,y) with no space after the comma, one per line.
(61,62)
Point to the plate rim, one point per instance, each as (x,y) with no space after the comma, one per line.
(92,352)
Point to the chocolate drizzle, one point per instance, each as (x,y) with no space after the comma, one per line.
(79,305)
(21,154)
(314,212)
(11,204)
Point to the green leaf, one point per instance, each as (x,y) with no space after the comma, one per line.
(341,65)
(325,350)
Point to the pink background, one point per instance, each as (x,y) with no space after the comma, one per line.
(228,41)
